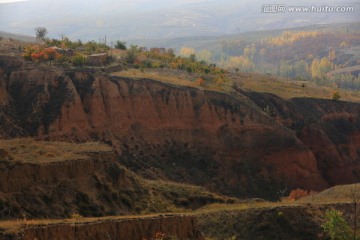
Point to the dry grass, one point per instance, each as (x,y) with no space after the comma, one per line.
(288,89)
(185,190)
(167,77)
(242,206)
(279,86)
(337,194)
(180,188)
(14,226)
(175,77)
(27,150)
(334,195)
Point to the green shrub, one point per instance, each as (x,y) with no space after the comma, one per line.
(120,45)
(78,60)
(336,226)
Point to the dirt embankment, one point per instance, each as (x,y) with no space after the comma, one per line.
(179,227)
(93,186)
(41,179)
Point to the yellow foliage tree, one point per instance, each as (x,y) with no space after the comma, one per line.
(187,52)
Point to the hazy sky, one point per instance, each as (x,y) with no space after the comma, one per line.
(10,1)
(134,19)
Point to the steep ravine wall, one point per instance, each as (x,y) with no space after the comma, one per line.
(96,185)
(181,227)
(21,176)
(226,143)
(331,130)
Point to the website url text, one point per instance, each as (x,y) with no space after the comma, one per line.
(282,8)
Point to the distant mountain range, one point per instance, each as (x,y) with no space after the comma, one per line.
(214,43)
(145,19)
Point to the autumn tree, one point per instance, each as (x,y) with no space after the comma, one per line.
(242,63)
(325,66)
(41,33)
(38,57)
(186,52)
(319,68)
(50,54)
(28,51)
(298,193)
(315,73)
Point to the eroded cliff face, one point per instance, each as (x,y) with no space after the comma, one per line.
(180,227)
(331,130)
(224,142)
(93,186)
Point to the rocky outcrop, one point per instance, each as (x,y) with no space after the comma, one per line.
(179,227)
(226,143)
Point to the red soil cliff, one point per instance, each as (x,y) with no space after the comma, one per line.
(224,142)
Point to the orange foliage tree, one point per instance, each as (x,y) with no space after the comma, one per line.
(298,193)
(38,57)
(37,54)
(50,54)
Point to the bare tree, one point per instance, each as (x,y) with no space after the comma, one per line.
(41,33)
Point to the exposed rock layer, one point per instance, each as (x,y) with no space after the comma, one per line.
(224,142)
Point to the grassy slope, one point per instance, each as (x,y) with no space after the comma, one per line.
(337,194)
(282,87)
(288,89)
(26,150)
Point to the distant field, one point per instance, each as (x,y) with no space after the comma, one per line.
(288,89)
(26,150)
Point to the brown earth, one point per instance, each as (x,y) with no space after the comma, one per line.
(59,180)
(92,186)
(225,142)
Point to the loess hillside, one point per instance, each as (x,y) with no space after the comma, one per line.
(217,134)
(148,132)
